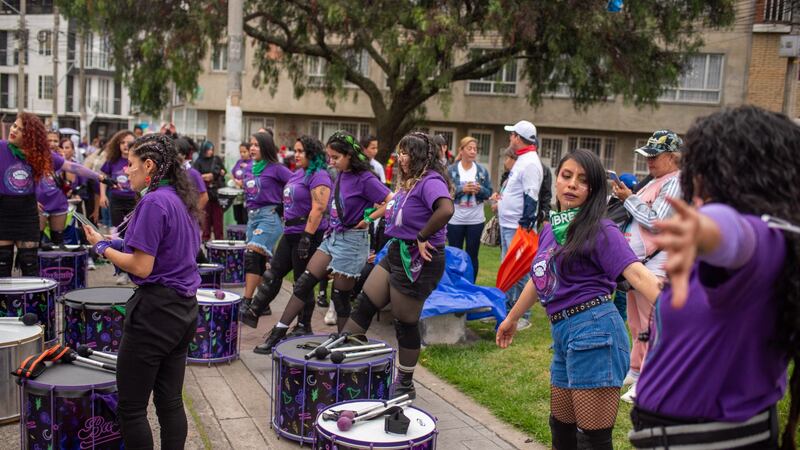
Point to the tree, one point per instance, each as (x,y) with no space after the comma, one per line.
(421,47)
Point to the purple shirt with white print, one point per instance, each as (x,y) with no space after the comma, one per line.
(49,193)
(717,357)
(116,171)
(267,188)
(408,212)
(18,174)
(357,192)
(241,167)
(297,198)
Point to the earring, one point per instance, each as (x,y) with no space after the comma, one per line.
(147,179)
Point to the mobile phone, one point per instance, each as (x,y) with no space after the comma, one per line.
(613,176)
(84,220)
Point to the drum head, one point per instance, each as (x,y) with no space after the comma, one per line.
(11,333)
(65,376)
(105,296)
(205,268)
(207,297)
(24,285)
(223,244)
(289,351)
(372,431)
(72,250)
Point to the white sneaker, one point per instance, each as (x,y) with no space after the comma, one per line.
(90,264)
(122,279)
(630,378)
(630,395)
(330,316)
(523,324)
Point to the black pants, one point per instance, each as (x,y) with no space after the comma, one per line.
(285,260)
(159,325)
(120,207)
(240,214)
(458,234)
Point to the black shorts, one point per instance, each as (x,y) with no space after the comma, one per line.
(19,218)
(432,272)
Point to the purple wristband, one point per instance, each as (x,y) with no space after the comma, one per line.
(102,246)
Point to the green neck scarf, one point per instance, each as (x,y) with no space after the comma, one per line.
(16,151)
(160,183)
(258,167)
(560,221)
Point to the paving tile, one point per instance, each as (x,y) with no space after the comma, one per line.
(248,391)
(243,434)
(221,398)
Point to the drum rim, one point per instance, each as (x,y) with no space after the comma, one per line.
(27,340)
(210,266)
(63,298)
(217,302)
(227,190)
(34,384)
(219,244)
(276,355)
(76,252)
(387,445)
(27,290)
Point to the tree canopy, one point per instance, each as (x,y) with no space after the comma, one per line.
(420,46)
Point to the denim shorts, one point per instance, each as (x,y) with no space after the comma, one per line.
(590,350)
(348,251)
(264,228)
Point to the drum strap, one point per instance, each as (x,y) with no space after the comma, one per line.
(34,365)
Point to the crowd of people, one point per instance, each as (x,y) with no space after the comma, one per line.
(708,287)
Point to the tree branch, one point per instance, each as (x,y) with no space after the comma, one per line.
(470,69)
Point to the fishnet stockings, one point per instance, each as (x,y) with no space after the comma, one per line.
(591,409)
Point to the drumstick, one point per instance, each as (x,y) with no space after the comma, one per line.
(27,319)
(338,357)
(86,352)
(334,415)
(330,339)
(322,353)
(344,423)
(218,294)
(24,281)
(72,357)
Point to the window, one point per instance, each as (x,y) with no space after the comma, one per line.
(640,162)
(484,139)
(45,42)
(251,125)
(701,83)
(449,136)
(8,91)
(317,68)
(101,105)
(191,122)
(219,58)
(504,82)
(322,130)
(13,46)
(45,87)
(551,151)
(602,147)
(778,11)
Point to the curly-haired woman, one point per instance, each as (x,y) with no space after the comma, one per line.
(120,199)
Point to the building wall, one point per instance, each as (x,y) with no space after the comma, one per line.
(767,75)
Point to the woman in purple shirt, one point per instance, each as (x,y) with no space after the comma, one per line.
(120,199)
(305,200)
(573,275)
(416,221)
(346,246)
(723,331)
(158,252)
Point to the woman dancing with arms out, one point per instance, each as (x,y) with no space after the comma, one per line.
(161,241)
(416,221)
(305,199)
(346,246)
(722,333)
(573,276)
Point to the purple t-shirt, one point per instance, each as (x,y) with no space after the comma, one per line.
(197,179)
(241,168)
(408,212)
(267,188)
(49,194)
(18,174)
(357,192)
(162,227)
(587,276)
(116,171)
(716,358)
(297,198)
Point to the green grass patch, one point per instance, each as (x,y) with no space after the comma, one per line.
(201,430)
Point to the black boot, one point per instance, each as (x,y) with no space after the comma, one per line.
(266,291)
(322,299)
(301,329)
(403,385)
(57,237)
(275,336)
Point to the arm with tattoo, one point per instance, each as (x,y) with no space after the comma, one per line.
(320,196)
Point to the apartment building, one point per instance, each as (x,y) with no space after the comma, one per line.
(107,100)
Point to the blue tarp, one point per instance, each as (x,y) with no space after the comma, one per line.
(457,294)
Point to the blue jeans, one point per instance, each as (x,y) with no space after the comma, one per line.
(348,250)
(264,228)
(457,234)
(506,236)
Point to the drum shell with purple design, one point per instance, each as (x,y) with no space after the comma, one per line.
(95,317)
(216,338)
(68,268)
(231,255)
(303,388)
(211,275)
(21,295)
(236,232)
(70,407)
(369,435)
(17,342)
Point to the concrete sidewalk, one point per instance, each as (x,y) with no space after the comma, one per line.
(228,405)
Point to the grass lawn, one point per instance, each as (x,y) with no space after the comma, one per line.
(514,383)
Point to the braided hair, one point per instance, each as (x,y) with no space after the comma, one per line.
(344,143)
(315,154)
(161,150)
(423,156)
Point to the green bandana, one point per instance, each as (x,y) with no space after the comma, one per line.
(367,213)
(406,258)
(258,167)
(560,222)
(16,151)
(147,189)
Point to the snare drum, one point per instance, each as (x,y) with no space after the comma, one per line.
(68,268)
(236,232)
(217,336)
(231,255)
(70,407)
(370,434)
(22,295)
(210,275)
(17,342)
(227,195)
(301,389)
(94,317)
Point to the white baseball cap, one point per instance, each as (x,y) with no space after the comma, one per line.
(524,129)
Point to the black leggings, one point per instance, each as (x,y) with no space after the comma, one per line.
(285,260)
(159,325)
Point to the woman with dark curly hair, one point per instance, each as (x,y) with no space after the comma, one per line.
(120,198)
(305,199)
(25,159)
(722,333)
(158,252)
(346,246)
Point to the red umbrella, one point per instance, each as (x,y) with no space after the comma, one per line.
(518,258)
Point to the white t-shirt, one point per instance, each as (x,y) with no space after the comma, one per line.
(468,211)
(378,168)
(525,179)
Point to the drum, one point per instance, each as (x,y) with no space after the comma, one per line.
(17,342)
(68,268)
(231,255)
(94,317)
(210,275)
(70,407)
(217,336)
(301,389)
(370,434)
(227,195)
(22,295)
(236,232)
